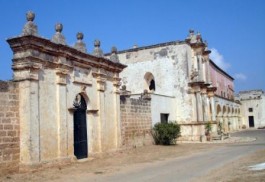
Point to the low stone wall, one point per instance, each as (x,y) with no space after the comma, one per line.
(194,131)
(9,127)
(136,122)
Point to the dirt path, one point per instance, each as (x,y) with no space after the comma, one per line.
(238,170)
(111,163)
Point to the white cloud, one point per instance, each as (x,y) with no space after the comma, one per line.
(218,59)
(240,76)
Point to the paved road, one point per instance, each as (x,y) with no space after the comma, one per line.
(189,167)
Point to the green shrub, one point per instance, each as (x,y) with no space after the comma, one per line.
(166,133)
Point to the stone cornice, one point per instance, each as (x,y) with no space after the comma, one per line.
(197,83)
(31,43)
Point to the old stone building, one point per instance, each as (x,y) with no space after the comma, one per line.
(184,84)
(62,103)
(252,107)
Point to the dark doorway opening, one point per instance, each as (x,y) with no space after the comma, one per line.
(251,121)
(164,118)
(80,128)
(152,85)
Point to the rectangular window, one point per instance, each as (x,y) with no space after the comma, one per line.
(164,118)
(250,109)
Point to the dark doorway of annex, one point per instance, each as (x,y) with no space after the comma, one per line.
(251,121)
(80,127)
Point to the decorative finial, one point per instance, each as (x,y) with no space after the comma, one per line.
(30,28)
(199,37)
(97,50)
(114,50)
(114,57)
(190,35)
(80,45)
(30,16)
(59,27)
(79,36)
(97,43)
(58,36)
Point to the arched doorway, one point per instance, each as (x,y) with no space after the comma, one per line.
(80,127)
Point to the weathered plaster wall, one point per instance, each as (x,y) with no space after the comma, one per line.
(170,66)
(163,105)
(9,127)
(136,122)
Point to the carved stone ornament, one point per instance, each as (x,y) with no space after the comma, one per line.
(114,57)
(58,36)
(30,28)
(80,45)
(61,76)
(194,74)
(97,50)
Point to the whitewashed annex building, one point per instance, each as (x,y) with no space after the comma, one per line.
(184,85)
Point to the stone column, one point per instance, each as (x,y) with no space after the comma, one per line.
(199,106)
(239,122)
(194,107)
(205,107)
(236,122)
(225,122)
(211,96)
(117,119)
(220,119)
(101,83)
(213,108)
(29,115)
(229,126)
(62,113)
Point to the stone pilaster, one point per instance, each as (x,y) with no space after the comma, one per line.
(29,114)
(211,91)
(205,107)
(117,119)
(101,82)
(62,112)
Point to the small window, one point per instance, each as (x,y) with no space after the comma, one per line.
(164,118)
(152,85)
(150,81)
(250,109)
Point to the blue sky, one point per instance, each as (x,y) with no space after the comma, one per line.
(234,29)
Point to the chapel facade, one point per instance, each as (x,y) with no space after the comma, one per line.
(66,100)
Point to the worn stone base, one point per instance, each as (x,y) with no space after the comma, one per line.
(194,131)
(45,164)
